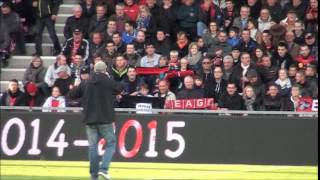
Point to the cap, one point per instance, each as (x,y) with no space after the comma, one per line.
(85,70)
(77,30)
(31,87)
(62,68)
(235,49)
(252,74)
(100,67)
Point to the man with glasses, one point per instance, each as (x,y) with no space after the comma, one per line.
(272,101)
(231,100)
(205,72)
(217,86)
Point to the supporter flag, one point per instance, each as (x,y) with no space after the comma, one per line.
(305,104)
(204,103)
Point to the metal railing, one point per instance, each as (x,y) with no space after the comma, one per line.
(133,110)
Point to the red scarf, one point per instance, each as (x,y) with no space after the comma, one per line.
(12,101)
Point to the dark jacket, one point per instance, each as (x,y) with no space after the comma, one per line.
(47,7)
(38,100)
(190,94)
(11,21)
(98,97)
(234,102)
(182,51)
(300,10)
(35,75)
(117,75)
(19,101)
(288,104)
(206,77)
(247,47)
(236,75)
(64,84)
(282,62)
(226,48)
(188,16)
(133,59)
(162,47)
(268,74)
(4,37)
(272,103)
(72,23)
(309,89)
(88,12)
(215,90)
(131,87)
(276,12)
(96,25)
(83,50)
(160,20)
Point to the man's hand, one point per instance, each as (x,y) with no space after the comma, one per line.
(53,17)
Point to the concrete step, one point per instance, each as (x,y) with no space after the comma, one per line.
(4,86)
(71,1)
(61,19)
(46,38)
(47,49)
(66,8)
(24,61)
(12,73)
(59,28)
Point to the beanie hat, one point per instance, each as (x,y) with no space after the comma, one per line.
(31,87)
(100,67)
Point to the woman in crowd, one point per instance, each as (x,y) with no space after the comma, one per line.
(194,56)
(284,82)
(251,102)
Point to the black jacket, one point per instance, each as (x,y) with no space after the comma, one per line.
(72,23)
(83,50)
(272,103)
(48,7)
(190,94)
(88,12)
(282,62)
(38,100)
(19,95)
(234,102)
(96,25)
(98,97)
(268,74)
(236,75)
(215,90)
(64,84)
(162,47)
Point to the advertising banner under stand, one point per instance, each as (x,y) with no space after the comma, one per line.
(165,138)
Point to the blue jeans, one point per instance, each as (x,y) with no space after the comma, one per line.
(94,133)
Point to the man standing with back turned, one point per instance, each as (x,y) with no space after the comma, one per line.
(98,96)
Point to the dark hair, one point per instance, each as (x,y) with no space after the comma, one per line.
(117,32)
(14,80)
(131,23)
(234,29)
(282,44)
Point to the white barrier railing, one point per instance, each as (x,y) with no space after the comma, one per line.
(79,109)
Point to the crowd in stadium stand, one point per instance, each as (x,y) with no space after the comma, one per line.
(245,54)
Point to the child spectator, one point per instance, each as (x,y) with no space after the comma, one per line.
(233,39)
(55,100)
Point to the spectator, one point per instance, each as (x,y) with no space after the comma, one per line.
(308,88)
(120,68)
(311,41)
(311,16)
(272,101)
(76,21)
(298,6)
(164,91)
(208,12)
(229,13)
(51,75)
(289,21)
(239,72)
(267,42)
(251,103)
(35,73)
(88,8)
(235,54)
(131,83)
(255,34)
(162,43)
(210,36)
(13,96)
(247,44)
(143,91)
(275,10)
(299,32)
(98,22)
(293,48)
(217,86)
(158,14)
(96,45)
(33,97)
(311,73)
(111,28)
(109,54)
(140,42)
(5,42)
(293,69)
(151,59)
(129,33)
(255,82)
(291,102)
(282,58)
(64,80)
(205,72)
(222,44)
(231,100)
(305,57)
(194,56)
(84,75)
(257,56)
(233,39)
(284,83)
(264,21)
(119,45)
(188,16)
(268,72)
(76,67)
(76,46)
(131,9)
(189,92)
(227,67)
(146,22)
(163,62)
(255,8)
(54,101)
(202,47)
(47,14)
(169,13)
(241,22)
(131,55)
(120,17)
(182,44)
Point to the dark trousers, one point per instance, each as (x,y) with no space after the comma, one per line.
(41,24)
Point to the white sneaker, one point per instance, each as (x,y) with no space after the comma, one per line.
(104,175)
